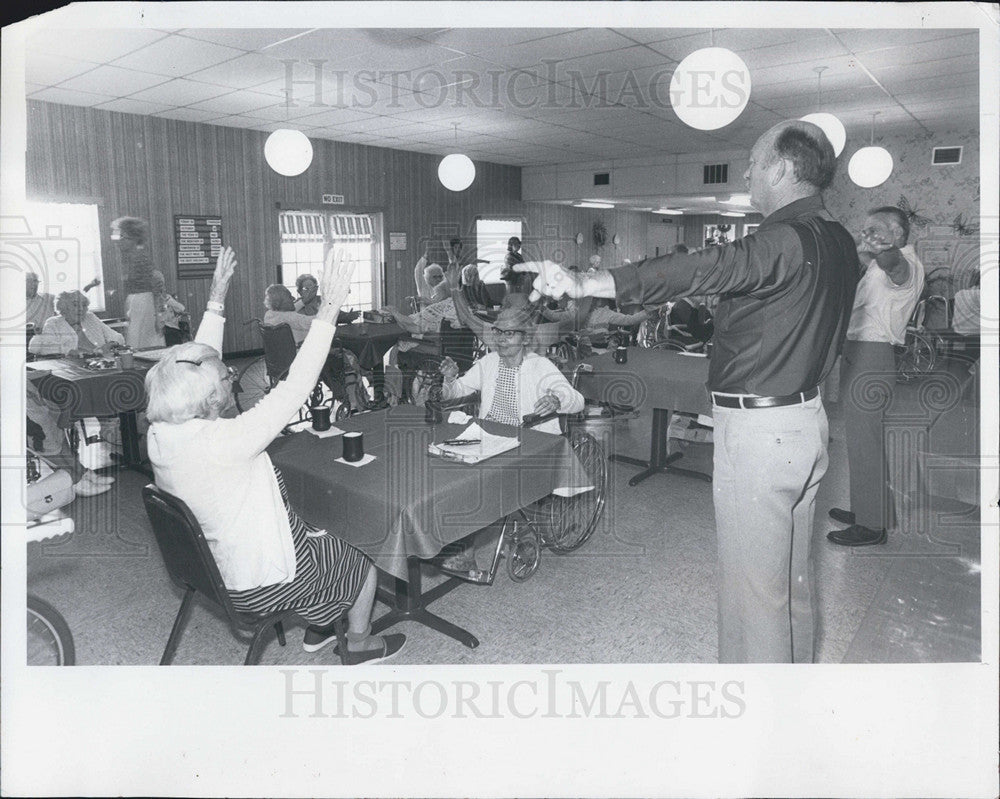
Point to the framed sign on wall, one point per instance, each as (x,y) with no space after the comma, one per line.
(198,241)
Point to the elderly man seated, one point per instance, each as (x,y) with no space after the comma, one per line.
(309,301)
(75,331)
(39,306)
(429,280)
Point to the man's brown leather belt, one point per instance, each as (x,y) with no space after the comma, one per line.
(738,401)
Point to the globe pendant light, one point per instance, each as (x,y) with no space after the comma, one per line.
(288,151)
(456,171)
(870,166)
(828,123)
(710,87)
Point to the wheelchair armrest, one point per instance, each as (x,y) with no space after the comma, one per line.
(535,419)
(469,401)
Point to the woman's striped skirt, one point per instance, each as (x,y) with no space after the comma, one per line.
(329,574)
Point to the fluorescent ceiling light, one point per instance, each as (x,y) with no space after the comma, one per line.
(670,211)
(588,204)
(731,213)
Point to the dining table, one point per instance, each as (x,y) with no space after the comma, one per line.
(659,380)
(404,506)
(81,389)
(370,341)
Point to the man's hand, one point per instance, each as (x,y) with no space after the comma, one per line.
(551,280)
(547,403)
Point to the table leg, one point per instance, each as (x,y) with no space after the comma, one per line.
(409,603)
(659,459)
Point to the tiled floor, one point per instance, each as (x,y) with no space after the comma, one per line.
(643,590)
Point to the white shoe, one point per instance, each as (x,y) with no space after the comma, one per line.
(86,488)
(98,479)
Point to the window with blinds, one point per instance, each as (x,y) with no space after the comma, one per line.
(307,236)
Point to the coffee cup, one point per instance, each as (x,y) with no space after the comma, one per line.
(354,447)
(125,359)
(621,355)
(320,417)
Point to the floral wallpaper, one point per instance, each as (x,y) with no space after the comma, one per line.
(943,201)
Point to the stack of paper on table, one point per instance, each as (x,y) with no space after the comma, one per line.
(488,446)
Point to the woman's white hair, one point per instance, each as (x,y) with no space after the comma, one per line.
(178,392)
(65,297)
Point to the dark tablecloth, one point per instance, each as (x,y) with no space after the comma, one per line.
(80,392)
(407,502)
(650,379)
(369,341)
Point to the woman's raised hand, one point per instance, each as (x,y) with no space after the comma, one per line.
(225,265)
(335,283)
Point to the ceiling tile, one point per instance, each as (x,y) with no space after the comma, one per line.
(926,69)
(810,48)
(573,44)
(475,40)
(113,81)
(57,94)
(927,51)
(658,34)
(188,114)
(242,38)
(179,92)
(237,121)
(246,72)
(176,56)
(238,102)
(331,117)
(129,105)
(49,70)
(866,40)
(91,44)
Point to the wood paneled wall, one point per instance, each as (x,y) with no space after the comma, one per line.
(154,168)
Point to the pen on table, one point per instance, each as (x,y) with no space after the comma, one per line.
(458,442)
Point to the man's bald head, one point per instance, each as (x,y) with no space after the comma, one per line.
(793,159)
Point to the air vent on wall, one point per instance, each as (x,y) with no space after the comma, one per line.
(716,173)
(947,155)
(602,178)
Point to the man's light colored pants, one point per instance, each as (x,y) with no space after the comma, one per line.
(768,465)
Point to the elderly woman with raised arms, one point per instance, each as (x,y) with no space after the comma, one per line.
(269,558)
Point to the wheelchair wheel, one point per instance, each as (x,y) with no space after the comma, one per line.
(916,357)
(342,412)
(252,385)
(572,520)
(50,643)
(524,551)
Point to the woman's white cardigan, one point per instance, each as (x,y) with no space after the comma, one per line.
(537,376)
(220,468)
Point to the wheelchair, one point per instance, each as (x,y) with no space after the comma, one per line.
(343,386)
(559,524)
(922,346)
(679,327)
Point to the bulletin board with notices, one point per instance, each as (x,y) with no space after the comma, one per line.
(199,241)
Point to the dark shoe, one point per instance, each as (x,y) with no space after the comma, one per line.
(318,637)
(391,644)
(857,536)
(842,516)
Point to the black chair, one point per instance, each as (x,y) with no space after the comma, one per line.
(192,568)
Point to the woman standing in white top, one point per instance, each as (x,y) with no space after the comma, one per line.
(268,557)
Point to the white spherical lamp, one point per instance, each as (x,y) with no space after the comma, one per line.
(456,172)
(288,152)
(870,167)
(710,88)
(832,127)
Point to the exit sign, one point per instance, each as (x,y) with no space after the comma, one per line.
(333,199)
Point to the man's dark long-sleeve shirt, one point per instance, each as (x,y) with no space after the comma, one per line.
(786,295)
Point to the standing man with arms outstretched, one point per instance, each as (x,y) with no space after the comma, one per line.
(787,292)
(886,296)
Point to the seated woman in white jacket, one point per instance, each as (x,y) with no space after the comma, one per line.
(268,557)
(512,380)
